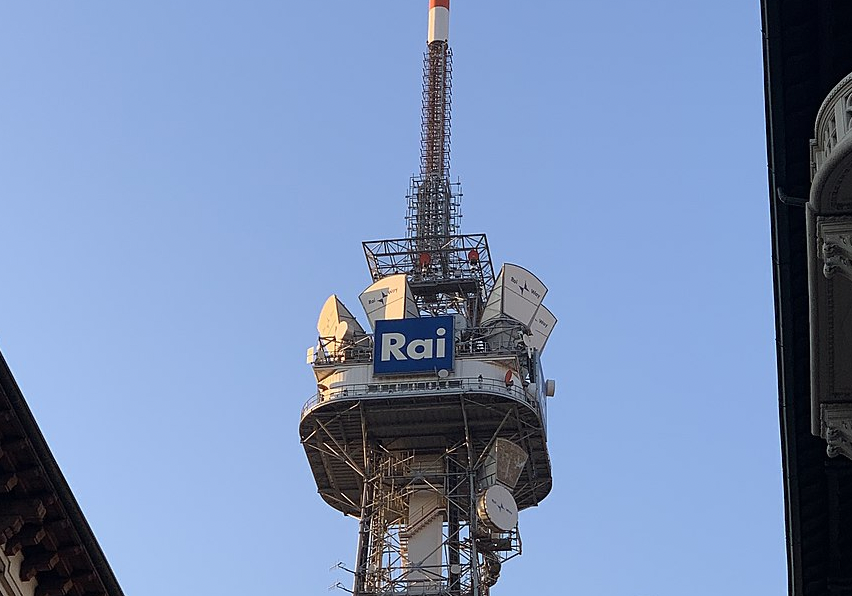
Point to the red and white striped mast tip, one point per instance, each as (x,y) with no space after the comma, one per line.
(439,20)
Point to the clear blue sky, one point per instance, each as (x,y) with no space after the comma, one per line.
(184,183)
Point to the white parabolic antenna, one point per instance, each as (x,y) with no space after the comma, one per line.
(389,298)
(497,508)
(336,321)
(542,326)
(517,294)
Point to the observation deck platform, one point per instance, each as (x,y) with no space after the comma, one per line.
(425,415)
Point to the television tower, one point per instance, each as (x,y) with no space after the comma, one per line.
(431,427)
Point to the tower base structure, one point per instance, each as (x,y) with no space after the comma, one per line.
(426,464)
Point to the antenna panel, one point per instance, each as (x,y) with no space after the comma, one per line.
(389,298)
(542,326)
(336,321)
(503,464)
(494,305)
(517,294)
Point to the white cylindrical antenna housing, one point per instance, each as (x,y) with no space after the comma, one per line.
(439,20)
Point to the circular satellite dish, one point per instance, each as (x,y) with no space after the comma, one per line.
(497,508)
(508,377)
(443,373)
(473,256)
(425,259)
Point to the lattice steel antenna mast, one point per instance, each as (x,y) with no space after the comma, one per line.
(433,203)
(448,273)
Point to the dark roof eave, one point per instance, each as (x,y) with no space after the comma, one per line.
(57,481)
(779,213)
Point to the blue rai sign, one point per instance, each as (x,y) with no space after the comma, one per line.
(404,346)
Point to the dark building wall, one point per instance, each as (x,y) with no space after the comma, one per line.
(807,51)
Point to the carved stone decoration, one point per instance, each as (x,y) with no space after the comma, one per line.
(830,295)
(837,429)
(10,580)
(835,237)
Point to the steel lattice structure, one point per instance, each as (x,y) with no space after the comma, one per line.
(433,202)
(417,458)
(456,278)
(371,452)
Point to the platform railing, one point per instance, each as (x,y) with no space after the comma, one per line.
(490,341)
(833,124)
(404,388)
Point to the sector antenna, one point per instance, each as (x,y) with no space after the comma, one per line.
(429,424)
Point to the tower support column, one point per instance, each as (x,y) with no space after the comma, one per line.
(363,551)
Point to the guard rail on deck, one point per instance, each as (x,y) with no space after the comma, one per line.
(833,124)
(360,350)
(435,387)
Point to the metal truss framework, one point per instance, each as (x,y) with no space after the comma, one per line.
(471,554)
(433,206)
(447,272)
(457,277)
